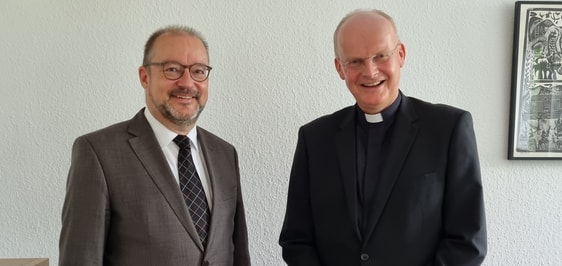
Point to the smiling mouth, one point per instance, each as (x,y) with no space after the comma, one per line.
(185,94)
(373,84)
(185,97)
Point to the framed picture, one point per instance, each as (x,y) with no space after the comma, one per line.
(535,124)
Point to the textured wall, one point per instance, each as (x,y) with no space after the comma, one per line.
(69,67)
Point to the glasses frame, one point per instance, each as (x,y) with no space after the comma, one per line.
(377,59)
(184,67)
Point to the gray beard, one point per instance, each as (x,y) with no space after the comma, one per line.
(183,121)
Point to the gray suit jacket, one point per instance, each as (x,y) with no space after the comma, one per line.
(124,207)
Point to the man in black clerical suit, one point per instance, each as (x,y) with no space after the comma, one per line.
(391,180)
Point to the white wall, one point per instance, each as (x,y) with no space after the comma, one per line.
(68,67)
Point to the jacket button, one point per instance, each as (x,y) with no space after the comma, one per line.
(364,257)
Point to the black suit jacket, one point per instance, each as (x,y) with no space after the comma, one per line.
(428,206)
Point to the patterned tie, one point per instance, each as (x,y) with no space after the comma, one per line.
(192,190)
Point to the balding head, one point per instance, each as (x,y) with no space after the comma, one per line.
(364,18)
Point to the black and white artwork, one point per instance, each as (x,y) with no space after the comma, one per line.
(536,97)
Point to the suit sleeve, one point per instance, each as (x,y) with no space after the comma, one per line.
(464,228)
(85,214)
(297,234)
(240,238)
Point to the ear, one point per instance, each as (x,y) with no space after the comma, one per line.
(339,68)
(402,53)
(144,78)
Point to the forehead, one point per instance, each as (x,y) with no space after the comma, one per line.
(180,47)
(364,35)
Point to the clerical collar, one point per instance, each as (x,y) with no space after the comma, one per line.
(374,118)
(386,114)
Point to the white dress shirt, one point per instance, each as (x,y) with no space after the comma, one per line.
(165,139)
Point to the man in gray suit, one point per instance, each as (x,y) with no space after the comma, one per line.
(124,204)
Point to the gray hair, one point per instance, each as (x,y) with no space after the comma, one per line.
(170,29)
(361,11)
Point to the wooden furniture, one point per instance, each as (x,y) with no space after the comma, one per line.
(24,262)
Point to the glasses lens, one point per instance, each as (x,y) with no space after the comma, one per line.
(354,64)
(378,59)
(173,70)
(199,72)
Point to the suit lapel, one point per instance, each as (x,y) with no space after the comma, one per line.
(219,165)
(345,145)
(149,153)
(403,135)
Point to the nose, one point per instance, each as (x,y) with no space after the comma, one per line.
(370,68)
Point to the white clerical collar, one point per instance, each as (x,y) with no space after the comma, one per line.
(374,118)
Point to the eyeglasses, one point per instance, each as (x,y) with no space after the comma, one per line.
(175,70)
(357,64)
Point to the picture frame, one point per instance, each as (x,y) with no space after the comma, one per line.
(535,123)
